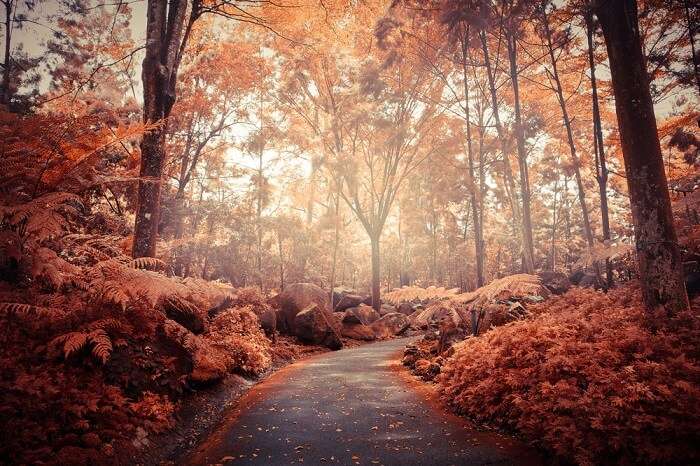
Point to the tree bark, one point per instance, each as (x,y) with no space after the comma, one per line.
(553,239)
(599,149)
(691,38)
(376,284)
(164,30)
(336,240)
(281,254)
(507,174)
(475,199)
(528,247)
(658,254)
(7,64)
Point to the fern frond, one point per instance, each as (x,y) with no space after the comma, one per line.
(29,311)
(601,252)
(101,344)
(43,217)
(418,294)
(16,309)
(72,342)
(512,286)
(107,324)
(113,292)
(147,263)
(181,305)
(102,243)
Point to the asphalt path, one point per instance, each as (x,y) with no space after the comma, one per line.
(354,406)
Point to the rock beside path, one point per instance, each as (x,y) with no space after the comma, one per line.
(318,326)
(390,325)
(295,298)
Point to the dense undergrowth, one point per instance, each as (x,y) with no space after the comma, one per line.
(93,385)
(586,380)
(97,350)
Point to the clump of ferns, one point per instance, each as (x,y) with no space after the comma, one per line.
(32,319)
(96,339)
(89,249)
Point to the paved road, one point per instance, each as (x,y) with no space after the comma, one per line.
(351,407)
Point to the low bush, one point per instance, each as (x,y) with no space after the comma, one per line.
(586,380)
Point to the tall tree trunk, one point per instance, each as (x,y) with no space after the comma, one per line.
(507,173)
(528,247)
(336,239)
(658,254)
(281,254)
(599,149)
(587,231)
(7,63)
(433,245)
(691,37)
(553,239)
(164,32)
(566,205)
(475,199)
(258,220)
(482,190)
(376,282)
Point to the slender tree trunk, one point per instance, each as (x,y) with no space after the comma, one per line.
(164,30)
(691,37)
(553,246)
(587,231)
(507,173)
(336,240)
(658,254)
(475,199)
(482,193)
(376,281)
(258,221)
(402,259)
(205,266)
(566,205)
(281,255)
(599,149)
(180,211)
(528,247)
(7,64)
(433,244)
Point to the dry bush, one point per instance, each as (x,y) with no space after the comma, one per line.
(496,303)
(237,334)
(437,312)
(518,286)
(586,380)
(417,294)
(250,298)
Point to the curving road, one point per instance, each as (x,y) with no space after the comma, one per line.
(351,407)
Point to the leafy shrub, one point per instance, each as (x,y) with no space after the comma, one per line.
(237,334)
(586,380)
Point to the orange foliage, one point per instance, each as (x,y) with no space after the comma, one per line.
(88,372)
(236,333)
(586,380)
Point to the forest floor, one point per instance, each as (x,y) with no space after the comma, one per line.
(354,406)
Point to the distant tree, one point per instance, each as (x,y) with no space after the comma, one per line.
(554,41)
